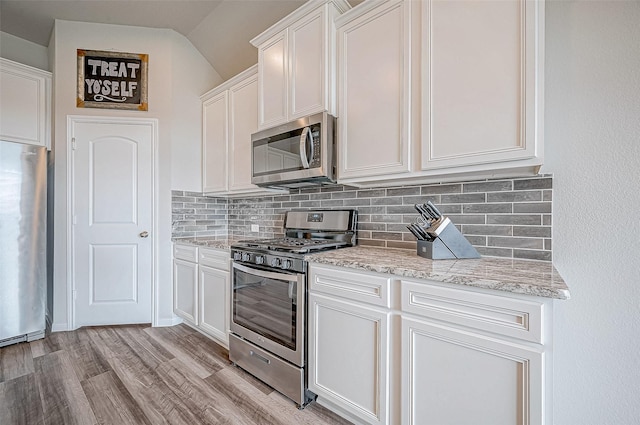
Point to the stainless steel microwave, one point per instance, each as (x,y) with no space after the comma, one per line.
(297,154)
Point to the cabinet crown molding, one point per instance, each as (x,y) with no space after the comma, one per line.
(341,5)
(253,70)
(6,64)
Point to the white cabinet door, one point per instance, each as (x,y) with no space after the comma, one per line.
(25,104)
(374,88)
(308,57)
(451,376)
(214,143)
(185,290)
(481,82)
(273,77)
(348,357)
(296,63)
(214,303)
(243,116)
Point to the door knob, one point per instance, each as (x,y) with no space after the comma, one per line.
(144,234)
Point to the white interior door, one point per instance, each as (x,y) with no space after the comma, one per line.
(112,207)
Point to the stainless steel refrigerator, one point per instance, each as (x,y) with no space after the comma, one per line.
(23,242)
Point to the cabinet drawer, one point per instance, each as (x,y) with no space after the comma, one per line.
(517,318)
(185,252)
(363,287)
(218,259)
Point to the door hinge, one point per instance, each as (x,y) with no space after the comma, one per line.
(75,294)
(75,219)
(73,143)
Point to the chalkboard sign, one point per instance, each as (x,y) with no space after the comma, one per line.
(112,80)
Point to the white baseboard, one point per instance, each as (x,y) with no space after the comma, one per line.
(59,327)
(168,322)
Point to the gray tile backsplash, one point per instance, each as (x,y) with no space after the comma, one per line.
(197,215)
(504,218)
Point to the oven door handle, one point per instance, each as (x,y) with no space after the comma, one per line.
(269,275)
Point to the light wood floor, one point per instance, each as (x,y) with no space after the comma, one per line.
(137,375)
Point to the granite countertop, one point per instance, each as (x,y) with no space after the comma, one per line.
(207,241)
(529,277)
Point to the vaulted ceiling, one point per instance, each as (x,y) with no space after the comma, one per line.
(219,29)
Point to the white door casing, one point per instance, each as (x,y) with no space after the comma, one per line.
(111,203)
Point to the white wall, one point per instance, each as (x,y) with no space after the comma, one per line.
(23,51)
(192,78)
(164,48)
(592,143)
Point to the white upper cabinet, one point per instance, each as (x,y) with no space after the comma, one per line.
(374,87)
(296,61)
(215,111)
(230,116)
(25,104)
(481,91)
(274,76)
(439,90)
(243,121)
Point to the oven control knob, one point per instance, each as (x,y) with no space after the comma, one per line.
(259,259)
(275,262)
(237,256)
(286,264)
(246,256)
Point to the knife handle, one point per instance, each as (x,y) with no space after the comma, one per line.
(433,210)
(414,233)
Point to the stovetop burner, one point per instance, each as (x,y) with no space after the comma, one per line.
(293,245)
(305,232)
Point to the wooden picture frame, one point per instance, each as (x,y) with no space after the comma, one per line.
(112,80)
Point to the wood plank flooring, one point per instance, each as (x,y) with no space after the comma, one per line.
(135,374)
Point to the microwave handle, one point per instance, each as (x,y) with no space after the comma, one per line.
(305,138)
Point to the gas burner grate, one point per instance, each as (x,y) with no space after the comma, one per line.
(292,244)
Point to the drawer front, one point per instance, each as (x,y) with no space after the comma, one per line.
(216,258)
(363,287)
(283,376)
(517,318)
(185,252)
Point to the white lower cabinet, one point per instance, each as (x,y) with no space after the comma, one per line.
(185,282)
(450,376)
(389,350)
(214,302)
(202,289)
(348,356)
(349,343)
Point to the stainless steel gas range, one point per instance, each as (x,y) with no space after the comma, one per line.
(269,297)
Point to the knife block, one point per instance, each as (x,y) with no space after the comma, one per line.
(447,243)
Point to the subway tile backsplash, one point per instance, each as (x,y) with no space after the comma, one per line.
(503,218)
(197,215)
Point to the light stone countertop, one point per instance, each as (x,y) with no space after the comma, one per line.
(529,277)
(208,241)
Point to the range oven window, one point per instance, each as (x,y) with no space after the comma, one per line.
(266,306)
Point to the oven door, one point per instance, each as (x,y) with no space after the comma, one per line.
(268,310)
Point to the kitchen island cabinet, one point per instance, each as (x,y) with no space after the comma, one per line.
(444,91)
(455,341)
(202,289)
